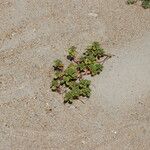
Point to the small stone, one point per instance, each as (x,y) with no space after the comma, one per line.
(114,132)
(83,142)
(34,30)
(93,15)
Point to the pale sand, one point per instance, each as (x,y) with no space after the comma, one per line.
(34,33)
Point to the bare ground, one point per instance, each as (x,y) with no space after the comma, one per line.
(34,33)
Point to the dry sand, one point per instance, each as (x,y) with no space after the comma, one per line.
(35,32)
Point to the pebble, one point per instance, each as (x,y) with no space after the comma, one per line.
(93,15)
(114,132)
(83,142)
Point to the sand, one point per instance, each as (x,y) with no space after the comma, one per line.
(34,33)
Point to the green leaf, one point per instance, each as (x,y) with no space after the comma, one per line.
(146,4)
(68,97)
(81,66)
(72,94)
(72,71)
(86,92)
(72,84)
(55,85)
(58,75)
(94,50)
(129,2)
(95,68)
(58,65)
(71,53)
(84,83)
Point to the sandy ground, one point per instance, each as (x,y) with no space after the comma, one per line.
(35,32)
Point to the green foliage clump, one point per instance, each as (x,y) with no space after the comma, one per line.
(71,53)
(131,2)
(78,89)
(71,78)
(58,65)
(145,3)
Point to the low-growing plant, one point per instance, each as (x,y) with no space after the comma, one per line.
(71,78)
(145,3)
